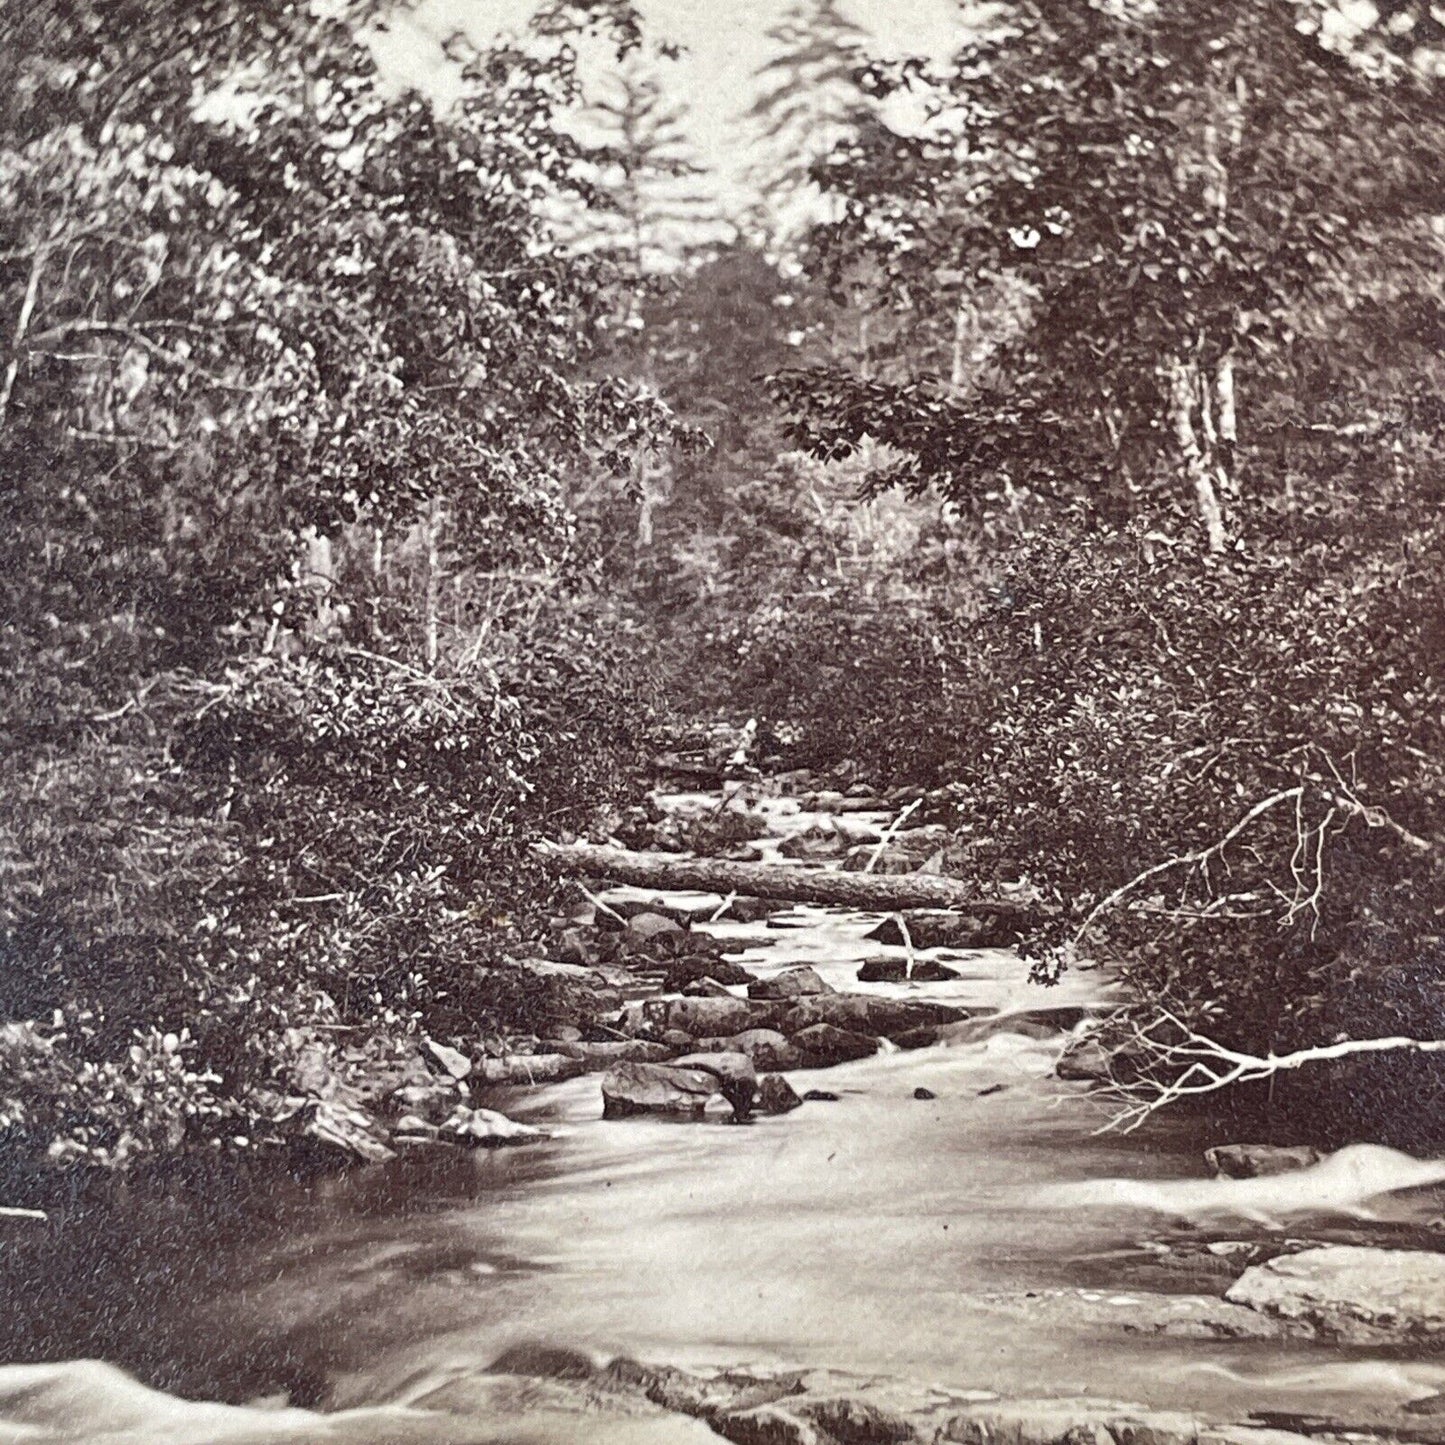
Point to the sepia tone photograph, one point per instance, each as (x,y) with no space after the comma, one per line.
(722,722)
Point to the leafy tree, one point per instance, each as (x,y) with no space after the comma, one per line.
(253,301)
(1221,759)
(1174,189)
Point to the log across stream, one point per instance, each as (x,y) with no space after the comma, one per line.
(905,1229)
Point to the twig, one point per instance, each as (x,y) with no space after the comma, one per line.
(596,902)
(22,326)
(889,833)
(11,1212)
(723,907)
(1198,858)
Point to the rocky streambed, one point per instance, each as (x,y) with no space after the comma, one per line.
(807,1178)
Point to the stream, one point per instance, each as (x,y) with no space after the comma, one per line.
(921,1238)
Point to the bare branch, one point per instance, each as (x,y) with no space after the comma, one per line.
(1207,1066)
(1186,860)
(22,326)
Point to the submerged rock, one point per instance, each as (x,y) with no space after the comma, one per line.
(1251,1161)
(1351,1293)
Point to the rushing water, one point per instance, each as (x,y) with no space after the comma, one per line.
(882,1233)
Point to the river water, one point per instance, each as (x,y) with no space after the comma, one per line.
(924,1238)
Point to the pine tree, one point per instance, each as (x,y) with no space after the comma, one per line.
(646,210)
(808,98)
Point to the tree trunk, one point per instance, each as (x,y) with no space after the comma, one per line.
(957,369)
(432,528)
(786,882)
(1199,466)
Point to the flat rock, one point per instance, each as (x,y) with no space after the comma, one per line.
(1089,1421)
(1351,1293)
(656,1089)
(487,1129)
(800,982)
(1252,1161)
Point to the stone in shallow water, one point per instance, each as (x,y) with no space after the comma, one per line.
(791,983)
(487,1129)
(866,1013)
(1352,1293)
(895,970)
(656,1089)
(823,1045)
(737,1079)
(938,928)
(777,1096)
(1251,1161)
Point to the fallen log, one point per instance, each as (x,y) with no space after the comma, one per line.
(870,891)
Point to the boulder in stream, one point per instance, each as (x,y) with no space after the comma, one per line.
(815,844)
(737,1079)
(800,982)
(776,1095)
(697,966)
(629,1089)
(941,928)
(895,970)
(823,1045)
(1352,1294)
(1253,1161)
(705,1018)
(866,1013)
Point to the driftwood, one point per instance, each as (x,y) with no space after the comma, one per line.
(784,882)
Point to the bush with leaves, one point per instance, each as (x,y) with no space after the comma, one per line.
(261,309)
